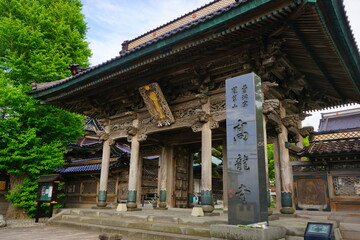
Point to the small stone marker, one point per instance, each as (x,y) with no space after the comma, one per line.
(121,207)
(106,236)
(2,221)
(197,212)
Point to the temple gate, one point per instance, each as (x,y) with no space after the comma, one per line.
(166,88)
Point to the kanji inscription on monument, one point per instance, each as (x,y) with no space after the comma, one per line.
(246,154)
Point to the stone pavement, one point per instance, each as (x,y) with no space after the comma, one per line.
(27,229)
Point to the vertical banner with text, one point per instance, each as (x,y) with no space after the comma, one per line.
(247,190)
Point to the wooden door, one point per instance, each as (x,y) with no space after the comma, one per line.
(182,160)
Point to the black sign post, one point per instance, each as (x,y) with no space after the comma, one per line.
(47,193)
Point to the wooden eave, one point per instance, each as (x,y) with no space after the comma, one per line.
(310,45)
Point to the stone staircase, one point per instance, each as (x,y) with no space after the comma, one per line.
(346,224)
(349,225)
(135,226)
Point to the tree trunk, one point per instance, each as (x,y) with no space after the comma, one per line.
(12,211)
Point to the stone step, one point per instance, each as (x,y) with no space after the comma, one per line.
(350,235)
(350,231)
(297,226)
(129,232)
(150,226)
(348,218)
(201,222)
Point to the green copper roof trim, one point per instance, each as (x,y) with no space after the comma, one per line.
(163,55)
(345,36)
(241,9)
(353,60)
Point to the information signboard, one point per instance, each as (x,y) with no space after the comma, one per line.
(247,190)
(46,191)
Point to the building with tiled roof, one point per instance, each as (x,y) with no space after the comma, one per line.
(166,90)
(333,166)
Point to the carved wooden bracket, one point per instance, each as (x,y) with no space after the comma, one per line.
(104,136)
(203,98)
(111,141)
(265,86)
(306,131)
(271,106)
(131,130)
(290,121)
(288,103)
(142,137)
(271,110)
(196,127)
(203,78)
(132,115)
(202,116)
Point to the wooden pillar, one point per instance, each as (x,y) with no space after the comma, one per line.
(191,181)
(277,174)
(300,143)
(225,176)
(266,163)
(170,176)
(165,152)
(139,179)
(206,171)
(104,174)
(286,169)
(133,170)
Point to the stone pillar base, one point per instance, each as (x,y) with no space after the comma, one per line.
(208,209)
(101,204)
(287,210)
(132,206)
(162,206)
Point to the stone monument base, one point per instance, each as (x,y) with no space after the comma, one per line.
(233,232)
(211,214)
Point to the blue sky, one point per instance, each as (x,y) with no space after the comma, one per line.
(111,22)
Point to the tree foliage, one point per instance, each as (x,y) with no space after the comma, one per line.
(38,40)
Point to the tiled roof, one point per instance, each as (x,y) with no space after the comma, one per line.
(333,147)
(85,168)
(43,86)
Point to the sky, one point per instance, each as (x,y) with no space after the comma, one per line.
(111,22)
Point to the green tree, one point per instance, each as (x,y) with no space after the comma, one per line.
(271,166)
(38,40)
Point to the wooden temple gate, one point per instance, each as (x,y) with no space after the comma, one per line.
(166,88)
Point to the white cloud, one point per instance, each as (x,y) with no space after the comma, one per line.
(111,22)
